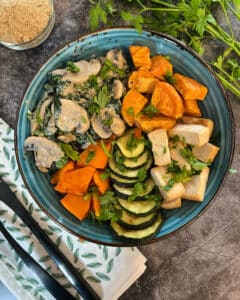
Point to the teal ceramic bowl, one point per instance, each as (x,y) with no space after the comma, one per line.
(216,107)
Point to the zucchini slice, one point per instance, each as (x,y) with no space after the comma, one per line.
(123,145)
(127,173)
(122,181)
(130,221)
(139,208)
(125,192)
(139,236)
(137,162)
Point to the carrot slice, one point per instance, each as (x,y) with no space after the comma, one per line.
(96,205)
(95,156)
(189,88)
(78,205)
(102,184)
(76,181)
(59,173)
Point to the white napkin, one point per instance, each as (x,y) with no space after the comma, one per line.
(109,270)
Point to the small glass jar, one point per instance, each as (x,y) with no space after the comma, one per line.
(41,35)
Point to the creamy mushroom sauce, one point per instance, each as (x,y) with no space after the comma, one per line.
(81,105)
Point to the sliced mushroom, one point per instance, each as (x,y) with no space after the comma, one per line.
(67,138)
(98,126)
(117,58)
(118,126)
(72,116)
(46,151)
(118,89)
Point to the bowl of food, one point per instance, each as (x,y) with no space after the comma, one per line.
(123,138)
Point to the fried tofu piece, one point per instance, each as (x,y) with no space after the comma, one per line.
(202,121)
(177,203)
(206,153)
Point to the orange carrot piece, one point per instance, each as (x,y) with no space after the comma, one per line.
(189,88)
(137,132)
(76,181)
(102,184)
(78,205)
(96,205)
(140,56)
(148,124)
(95,156)
(133,102)
(167,100)
(161,67)
(59,173)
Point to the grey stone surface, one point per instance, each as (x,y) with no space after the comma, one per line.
(202,261)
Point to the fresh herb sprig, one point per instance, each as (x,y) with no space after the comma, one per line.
(192,21)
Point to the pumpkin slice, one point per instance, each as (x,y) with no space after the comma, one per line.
(140,56)
(102,184)
(76,181)
(161,67)
(189,88)
(96,205)
(78,205)
(133,102)
(59,173)
(167,100)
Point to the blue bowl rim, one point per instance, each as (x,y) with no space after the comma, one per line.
(226,99)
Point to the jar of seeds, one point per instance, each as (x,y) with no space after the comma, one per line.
(25,24)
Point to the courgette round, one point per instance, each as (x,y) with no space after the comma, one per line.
(125,192)
(130,221)
(136,148)
(136,162)
(122,181)
(139,208)
(139,236)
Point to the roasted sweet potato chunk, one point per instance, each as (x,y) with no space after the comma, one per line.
(189,88)
(167,100)
(149,123)
(133,103)
(142,80)
(161,67)
(191,108)
(140,56)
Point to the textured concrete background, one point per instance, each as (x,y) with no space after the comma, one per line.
(202,261)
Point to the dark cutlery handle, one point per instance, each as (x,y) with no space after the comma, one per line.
(75,278)
(49,282)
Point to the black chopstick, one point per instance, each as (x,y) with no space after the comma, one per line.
(48,281)
(74,277)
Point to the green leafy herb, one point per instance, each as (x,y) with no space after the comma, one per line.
(169,185)
(61,162)
(233,171)
(105,150)
(108,210)
(102,98)
(70,152)
(90,156)
(192,21)
(169,78)
(142,174)
(106,174)
(71,66)
(196,164)
(138,190)
(150,110)
(109,66)
(130,111)
(38,118)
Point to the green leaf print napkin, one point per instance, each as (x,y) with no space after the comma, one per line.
(109,270)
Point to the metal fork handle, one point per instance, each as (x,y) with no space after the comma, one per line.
(48,281)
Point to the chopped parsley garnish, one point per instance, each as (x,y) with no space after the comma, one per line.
(169,78)
(90,156)
(150,110)
(138,190)
(61,162)
(130,111)
(108,210)
(72,67)
(196,164)
(70,152)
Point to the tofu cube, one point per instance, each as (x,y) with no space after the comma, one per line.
(161,178)
(193,134)
(195,189)
(202,121)
(160,149)
(175,148)
(206,153)
(177,203)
